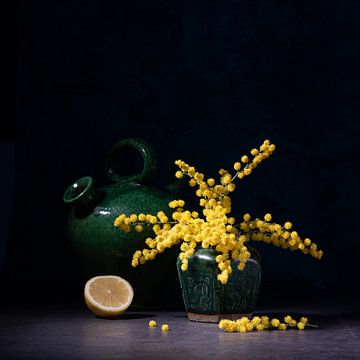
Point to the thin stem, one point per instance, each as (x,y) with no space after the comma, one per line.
(234,177)
(157,223)
(311,325)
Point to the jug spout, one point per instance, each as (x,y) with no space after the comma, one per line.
(81,192)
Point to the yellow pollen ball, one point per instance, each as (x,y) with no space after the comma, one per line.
(152,323)
(179,174)
(301,246)
(246,217)
(165,327)
(192,182)
(133,218)
(231,187)
(267,217)
(301,325)
(244,159)
(237,166)
(226,179)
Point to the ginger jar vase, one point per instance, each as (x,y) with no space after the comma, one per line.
(206,299)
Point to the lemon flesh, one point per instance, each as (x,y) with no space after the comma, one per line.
(108,295)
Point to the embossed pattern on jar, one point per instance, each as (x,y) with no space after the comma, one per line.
(206,299)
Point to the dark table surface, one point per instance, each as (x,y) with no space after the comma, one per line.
(49,329)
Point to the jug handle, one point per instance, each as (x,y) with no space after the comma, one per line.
(147,153)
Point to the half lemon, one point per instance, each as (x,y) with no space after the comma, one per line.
(108,295)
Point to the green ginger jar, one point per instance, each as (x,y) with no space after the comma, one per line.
(206,299)
(103,249)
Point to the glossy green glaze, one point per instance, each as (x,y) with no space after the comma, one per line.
(204,294)
(104,249)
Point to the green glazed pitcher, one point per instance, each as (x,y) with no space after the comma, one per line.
(103,249)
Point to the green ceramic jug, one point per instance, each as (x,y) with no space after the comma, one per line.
(103,249)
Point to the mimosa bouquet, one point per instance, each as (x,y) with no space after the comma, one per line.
(214,227)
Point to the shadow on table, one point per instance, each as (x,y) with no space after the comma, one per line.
(182,315)
(128,316)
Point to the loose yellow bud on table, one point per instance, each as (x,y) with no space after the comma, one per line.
(244,324)
(165,327)
(152,323)
(304,320)
(301,325)
(256,320)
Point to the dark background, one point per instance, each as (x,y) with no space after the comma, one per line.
(204,81)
